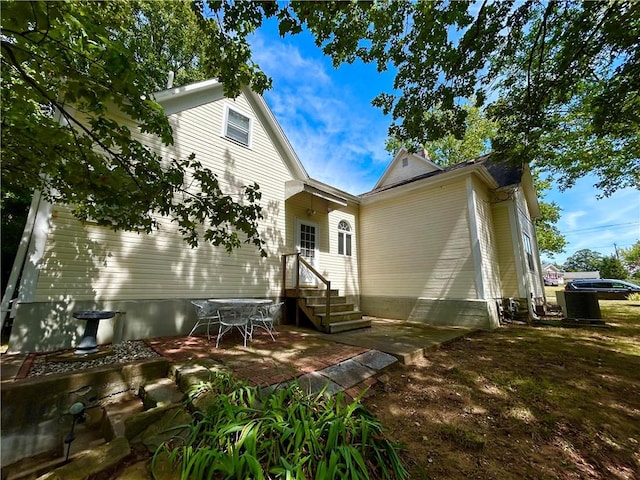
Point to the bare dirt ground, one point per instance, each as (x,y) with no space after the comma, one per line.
(522,402)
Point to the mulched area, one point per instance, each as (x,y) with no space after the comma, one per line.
(262,362)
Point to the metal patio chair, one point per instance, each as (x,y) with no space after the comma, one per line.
(235,317)
(266,318)
(207,314)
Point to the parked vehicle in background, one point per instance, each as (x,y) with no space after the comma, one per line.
(607,289)
(550,282)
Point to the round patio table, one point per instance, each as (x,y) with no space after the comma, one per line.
(89,343)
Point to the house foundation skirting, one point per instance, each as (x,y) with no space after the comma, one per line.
(433,311)
(50,326)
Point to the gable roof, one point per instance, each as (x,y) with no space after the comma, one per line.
(551,267)
(496,174)
(440,172)
(178,99)
(406,165)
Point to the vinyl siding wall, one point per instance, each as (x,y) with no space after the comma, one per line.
(418,245)
(414,167)
(341,270)
(504,240)
(533,276)
(489,253)
(88,262)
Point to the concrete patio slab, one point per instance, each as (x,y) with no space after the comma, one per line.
(407,341)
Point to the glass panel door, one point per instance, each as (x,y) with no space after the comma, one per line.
(307,244)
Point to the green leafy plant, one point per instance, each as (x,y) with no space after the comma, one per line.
(239,433)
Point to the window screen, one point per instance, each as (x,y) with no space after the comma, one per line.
(237,127)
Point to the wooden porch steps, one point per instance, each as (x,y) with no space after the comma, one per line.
(347,325)
(343,317)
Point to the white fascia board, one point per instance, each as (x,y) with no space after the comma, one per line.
(530,192)
(401,154)
(434,181)
(294,187)
(276,133)
(189,96)
(334,191)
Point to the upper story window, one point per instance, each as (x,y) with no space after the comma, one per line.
(237,127)
(529,252)
(344,238)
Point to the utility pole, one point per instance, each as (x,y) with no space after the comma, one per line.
(616,249)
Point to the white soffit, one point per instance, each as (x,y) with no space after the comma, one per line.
(294,187)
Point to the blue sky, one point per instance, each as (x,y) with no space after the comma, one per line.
(339,136)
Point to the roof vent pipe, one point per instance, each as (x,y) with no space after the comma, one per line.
(170,80)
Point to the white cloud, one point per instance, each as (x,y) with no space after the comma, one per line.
(597,224)
(339,137)
(572,219)
(285,59)
(337,134)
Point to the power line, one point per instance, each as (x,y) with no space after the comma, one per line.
(602,246)
(601,227)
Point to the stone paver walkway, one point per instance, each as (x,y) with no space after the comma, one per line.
(316,362)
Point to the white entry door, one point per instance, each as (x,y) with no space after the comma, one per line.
(307,245)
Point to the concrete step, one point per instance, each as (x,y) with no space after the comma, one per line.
(349,325)
(160,393)
(117,413)
(91,462)
(188,374)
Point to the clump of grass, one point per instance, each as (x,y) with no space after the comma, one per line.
(286,434)
(635,297)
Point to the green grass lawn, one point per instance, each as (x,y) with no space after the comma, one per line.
(523,402)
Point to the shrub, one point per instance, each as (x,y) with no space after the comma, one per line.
(285,434)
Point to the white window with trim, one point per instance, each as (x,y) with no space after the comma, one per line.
(529,252)
(237,127)
(345,236)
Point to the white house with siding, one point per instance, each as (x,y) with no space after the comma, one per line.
(437,245)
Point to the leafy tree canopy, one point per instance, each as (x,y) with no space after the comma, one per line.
(565,75)
(165,39)
(479,131)
(550,239)
(612,267)
(584,260)
(65,65)
(631,258)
